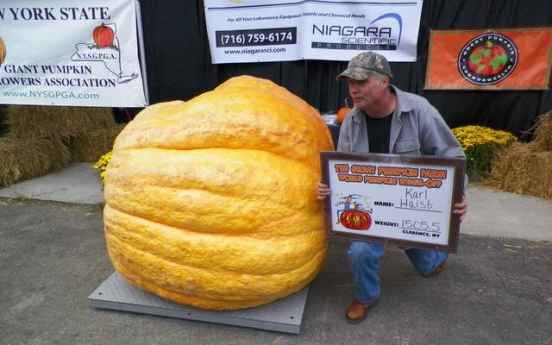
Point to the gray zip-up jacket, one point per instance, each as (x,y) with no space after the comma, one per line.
(417,128)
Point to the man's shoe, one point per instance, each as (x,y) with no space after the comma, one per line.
(437,270)
(358,311)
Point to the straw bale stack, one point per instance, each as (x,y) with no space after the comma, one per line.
(26,158)
(542,132)
(89,147)
(526,168)
(30,121)
(38,137)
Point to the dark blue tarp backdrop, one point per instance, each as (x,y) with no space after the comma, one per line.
(179,64)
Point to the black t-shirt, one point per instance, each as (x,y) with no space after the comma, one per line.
(379,131)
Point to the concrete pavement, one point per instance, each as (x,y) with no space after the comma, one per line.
(496,290)
(78,183)
(491,213)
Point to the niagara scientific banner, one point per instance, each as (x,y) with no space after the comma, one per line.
(274,30)
(71,53)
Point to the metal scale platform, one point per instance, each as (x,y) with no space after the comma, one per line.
(284,315)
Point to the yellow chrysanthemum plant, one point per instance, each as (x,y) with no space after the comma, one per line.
(101,165)
(480,145)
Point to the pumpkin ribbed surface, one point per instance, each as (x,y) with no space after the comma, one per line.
(212,202)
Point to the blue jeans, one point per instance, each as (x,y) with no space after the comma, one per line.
(365,260)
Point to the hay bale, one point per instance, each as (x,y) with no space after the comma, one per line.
(29,121)
(522,169)
(541,132)
(526,168)
(89,147)
(27,158)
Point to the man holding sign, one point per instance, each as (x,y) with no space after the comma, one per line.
(387,120)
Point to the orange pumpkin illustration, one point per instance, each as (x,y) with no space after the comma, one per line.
(103,36)
(356,219)
(2,51)
(488,59)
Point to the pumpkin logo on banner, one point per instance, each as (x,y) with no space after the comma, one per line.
(2,51)
(105,48)
(103,36)
(487,59)
(354,212)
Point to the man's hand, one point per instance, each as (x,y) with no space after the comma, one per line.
(323,190)
(460,208)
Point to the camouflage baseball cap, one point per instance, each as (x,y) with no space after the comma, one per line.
(360,66)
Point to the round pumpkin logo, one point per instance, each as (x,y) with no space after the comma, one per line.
(487,59)
(2,51)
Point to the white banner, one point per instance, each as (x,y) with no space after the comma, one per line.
(72,53)
(275,30)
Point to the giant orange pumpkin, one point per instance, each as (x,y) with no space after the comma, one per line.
(212,202)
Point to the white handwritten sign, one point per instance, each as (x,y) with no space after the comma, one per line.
(405,200)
